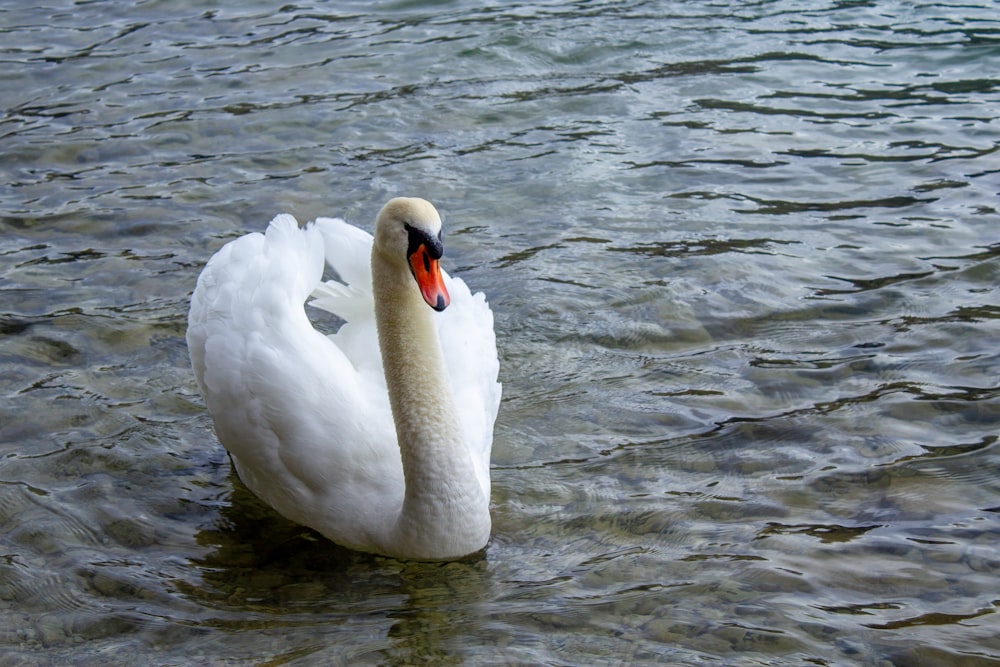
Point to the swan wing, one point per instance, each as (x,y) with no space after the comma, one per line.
(349,295)
(306,428)
(470,350)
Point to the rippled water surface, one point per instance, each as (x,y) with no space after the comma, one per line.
(744,259)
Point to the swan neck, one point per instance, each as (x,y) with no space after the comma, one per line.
(443,504)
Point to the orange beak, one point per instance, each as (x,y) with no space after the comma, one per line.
(427,272)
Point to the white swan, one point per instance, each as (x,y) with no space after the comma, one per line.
(307,417)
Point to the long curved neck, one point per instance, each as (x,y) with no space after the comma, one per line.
(444,504)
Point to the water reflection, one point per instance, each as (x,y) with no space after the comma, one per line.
(290,577)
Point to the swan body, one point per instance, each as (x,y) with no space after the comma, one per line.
(379,435)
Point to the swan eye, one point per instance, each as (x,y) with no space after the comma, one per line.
(420,238)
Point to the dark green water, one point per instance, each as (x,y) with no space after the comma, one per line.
(745,264)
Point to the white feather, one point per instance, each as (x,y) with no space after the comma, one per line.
(304,415)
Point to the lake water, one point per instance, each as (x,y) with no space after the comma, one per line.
(745,264)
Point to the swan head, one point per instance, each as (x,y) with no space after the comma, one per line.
(408,231)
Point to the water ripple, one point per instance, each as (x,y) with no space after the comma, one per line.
(743,261)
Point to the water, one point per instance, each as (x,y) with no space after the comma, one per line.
(744,260)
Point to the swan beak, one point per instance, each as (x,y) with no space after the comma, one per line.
(427,272)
